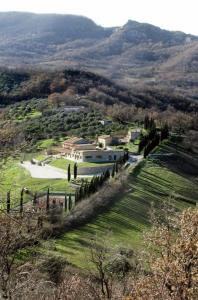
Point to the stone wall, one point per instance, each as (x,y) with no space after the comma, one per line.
(94,170)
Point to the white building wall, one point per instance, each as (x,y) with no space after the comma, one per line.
(106,156)
(95,156)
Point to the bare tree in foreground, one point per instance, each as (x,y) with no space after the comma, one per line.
(173,259)
(18,278)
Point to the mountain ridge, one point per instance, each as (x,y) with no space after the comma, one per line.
(136,54)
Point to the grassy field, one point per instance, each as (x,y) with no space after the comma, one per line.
(63,164)
(13,177)
(154,181)
(47,143)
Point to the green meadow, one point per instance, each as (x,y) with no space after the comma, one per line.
(63,163)
(13,178)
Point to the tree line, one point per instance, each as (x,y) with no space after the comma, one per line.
(153,137)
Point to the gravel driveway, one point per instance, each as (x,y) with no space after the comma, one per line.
(47,172)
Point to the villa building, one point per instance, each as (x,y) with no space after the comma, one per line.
(80,150)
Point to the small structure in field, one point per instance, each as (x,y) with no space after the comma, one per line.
(133,135)
(105,122)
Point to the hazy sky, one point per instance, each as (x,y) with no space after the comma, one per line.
(169,14)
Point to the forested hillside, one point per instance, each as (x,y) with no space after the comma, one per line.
(73,84)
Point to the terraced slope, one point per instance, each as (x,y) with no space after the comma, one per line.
(155,180)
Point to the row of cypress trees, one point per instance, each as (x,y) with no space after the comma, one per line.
(153,138)
(88,188)
(69,172)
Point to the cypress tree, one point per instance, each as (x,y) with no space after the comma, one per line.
(164,132)
(145,152)
(113,171)
(75,170)
(8,202)
(87,189)
(35,199)
(94,185)
(116,167)
(97,182)
(21,201)
(70,202)
(91,187)
(65,202)
(81,193)
(76,196)
(146,122)
(69,173)
(107,174)
(47,200)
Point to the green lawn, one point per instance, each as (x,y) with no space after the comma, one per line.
(14,178)
(153,182)
(63,164)
(47,143)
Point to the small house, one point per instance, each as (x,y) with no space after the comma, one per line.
(105,140)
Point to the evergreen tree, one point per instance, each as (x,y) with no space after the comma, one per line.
(65,202)
(113,171)
(86,189)
(101,179)
(70,202)
(47,200)
(152,125)
(91,186)
(116,167)
(35,199)
(75,170)
(76,196)
(164,132)
(69,173)
(8,202)
(146,122)
(21,201)
(81,194)
(107,174)
(126,155)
